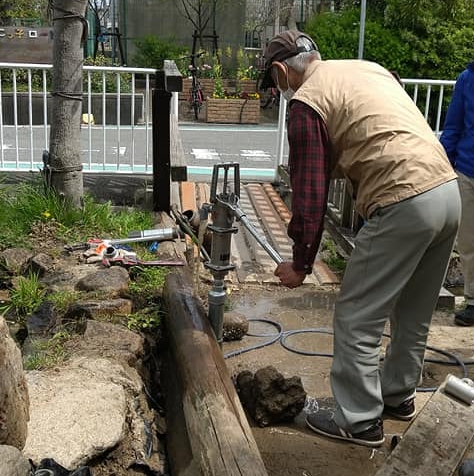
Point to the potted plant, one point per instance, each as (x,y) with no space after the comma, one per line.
(231,107)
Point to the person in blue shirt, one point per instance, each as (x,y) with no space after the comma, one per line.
(458,140)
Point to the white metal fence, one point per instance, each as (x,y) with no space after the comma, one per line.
(116,132)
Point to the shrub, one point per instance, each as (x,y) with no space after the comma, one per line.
(100,80)
(152,51)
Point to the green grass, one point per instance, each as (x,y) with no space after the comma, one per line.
(331,256)
(145,320)
(25,204)
(31,203)
(47,353)
(26,295)
(146,281)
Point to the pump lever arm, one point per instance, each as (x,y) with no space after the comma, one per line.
(242,217)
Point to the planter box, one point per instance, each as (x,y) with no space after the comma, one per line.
(207,86)
(38,101)
(233,111)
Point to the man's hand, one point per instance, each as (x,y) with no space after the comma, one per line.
(288,276)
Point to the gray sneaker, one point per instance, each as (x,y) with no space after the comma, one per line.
(323,423)
(405,411)
(465,317)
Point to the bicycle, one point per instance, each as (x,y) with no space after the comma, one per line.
(196,96)
(270,98)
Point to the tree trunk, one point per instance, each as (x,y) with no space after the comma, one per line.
(65,165)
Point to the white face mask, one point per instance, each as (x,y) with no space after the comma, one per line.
(289,93)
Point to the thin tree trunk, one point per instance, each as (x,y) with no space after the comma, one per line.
(65,166)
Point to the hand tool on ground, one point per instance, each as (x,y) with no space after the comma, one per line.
(460,388)
(159,234)
(134,261)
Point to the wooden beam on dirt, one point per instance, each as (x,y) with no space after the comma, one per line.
(208,432)
(435,441)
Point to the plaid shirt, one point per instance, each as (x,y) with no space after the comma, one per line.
(309,167)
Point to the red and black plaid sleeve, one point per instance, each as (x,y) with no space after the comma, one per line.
(309,175)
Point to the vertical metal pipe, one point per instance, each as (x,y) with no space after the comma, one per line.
(280,134)
(118,119)
(360,54)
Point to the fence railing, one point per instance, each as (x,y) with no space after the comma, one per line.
(116,132)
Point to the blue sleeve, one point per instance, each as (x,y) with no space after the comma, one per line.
(454,123)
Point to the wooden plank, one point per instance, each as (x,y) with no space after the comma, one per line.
(322,273)
(177,157)
(435,441)
(208,432)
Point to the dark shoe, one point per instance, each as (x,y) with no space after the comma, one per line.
(405,411)
(322,422)
(465,317)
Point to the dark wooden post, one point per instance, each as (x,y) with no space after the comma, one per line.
(167,80)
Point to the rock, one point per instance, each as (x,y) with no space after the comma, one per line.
(14,401)
(81,411)
(66,277)
(112,281)
(40,264)
(95,309)
(120,344)
(95,410)
(12,462)
(235,326)
(42,321)
(269,397)
(454,275)
(15,259)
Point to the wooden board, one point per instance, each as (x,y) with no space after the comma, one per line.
(435,441)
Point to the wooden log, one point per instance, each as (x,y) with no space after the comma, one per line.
(435,441)
(208,432)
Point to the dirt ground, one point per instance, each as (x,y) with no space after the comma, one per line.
(292,449)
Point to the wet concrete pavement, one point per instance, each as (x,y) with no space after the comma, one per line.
(305,317)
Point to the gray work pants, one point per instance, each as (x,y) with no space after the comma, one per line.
(394,274)
(465,242)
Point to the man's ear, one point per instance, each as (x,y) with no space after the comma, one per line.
(279,70)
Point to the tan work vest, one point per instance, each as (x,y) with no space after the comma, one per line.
(379,139)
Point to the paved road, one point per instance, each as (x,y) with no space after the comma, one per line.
(253,147)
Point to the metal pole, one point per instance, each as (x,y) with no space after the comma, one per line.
(113,32)
(363,4)
(280,134)
(277,18)
(301,15)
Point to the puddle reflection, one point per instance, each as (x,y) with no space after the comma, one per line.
(310,300)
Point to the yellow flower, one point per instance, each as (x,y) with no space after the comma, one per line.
(46,214)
